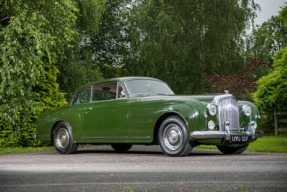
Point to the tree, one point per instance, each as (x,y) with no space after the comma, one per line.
(110,45)
(79,66)
(241,84)
(268,38)
(33,36)
(271,94)
(183,42)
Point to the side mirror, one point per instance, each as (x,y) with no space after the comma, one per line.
(123,94)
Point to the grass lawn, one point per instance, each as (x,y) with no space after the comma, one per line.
(274,144)
(8,150)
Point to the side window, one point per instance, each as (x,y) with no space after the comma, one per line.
(104,91)
(83,96)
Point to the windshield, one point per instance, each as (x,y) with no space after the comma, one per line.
(142,87)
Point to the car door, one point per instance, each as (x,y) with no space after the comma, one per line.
(76,113)
(106,115)
(142,118)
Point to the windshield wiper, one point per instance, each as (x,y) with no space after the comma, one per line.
(141,94)
(163,94)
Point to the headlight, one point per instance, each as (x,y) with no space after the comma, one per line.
(246,110)
(211,109)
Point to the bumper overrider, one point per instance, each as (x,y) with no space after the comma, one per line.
(227,133)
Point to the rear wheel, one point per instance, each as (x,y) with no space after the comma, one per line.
(173,137)
(121,147)
(232,150)
(63,139)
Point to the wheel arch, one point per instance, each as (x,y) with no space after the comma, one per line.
(160,120)
(54,127)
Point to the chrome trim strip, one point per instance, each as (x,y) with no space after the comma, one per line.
(146,137)
(207,134)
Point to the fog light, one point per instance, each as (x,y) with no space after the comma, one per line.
(211,125)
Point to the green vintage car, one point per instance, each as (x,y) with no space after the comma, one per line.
(141,110)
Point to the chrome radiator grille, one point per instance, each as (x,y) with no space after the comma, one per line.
(228,111)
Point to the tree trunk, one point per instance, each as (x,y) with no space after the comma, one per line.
(276,123)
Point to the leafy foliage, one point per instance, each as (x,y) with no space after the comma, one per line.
(47,45)
(268,38)
(79,66)
(241,84)
(183,42)
(33,36)
(272,90)
(110,45)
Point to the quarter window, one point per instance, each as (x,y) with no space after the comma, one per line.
(83,96)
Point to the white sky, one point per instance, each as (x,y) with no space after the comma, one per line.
(268,8)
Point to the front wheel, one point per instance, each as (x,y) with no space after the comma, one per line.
(63,139)
(232,150)
(173,137)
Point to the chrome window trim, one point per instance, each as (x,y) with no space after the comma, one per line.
(117,93)
(120,84)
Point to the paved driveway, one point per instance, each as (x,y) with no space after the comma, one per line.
(98,168)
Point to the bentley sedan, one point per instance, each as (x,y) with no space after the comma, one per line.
(126,111)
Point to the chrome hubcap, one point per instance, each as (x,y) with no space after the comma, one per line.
(172,136)
(63,138)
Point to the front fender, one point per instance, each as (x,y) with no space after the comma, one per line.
(255,116)
(192,112)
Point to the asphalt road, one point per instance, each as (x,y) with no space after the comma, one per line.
(98,168)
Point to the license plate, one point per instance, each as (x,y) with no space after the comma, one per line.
(238,139)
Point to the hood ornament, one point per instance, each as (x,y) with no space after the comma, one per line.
(226,91)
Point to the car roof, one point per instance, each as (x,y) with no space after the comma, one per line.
(120,79)
(133,78)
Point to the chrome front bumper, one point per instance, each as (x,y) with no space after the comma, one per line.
(225,134)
